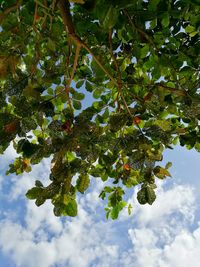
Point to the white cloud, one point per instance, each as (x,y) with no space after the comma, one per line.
(7,157)
(5,160)
(182,251)
(85,241)
(78,243)
(19,242)
(178,198)
(35,217)
(158,235)
(21,183)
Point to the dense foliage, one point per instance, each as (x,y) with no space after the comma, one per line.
(101,86)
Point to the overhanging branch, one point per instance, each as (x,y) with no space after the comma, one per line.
(64,7)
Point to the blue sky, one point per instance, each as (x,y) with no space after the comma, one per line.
(165,234)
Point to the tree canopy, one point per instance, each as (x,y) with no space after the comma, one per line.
(101,86)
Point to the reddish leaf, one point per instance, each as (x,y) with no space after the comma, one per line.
(136,120)
(11,127)
(127,167)
(67,126)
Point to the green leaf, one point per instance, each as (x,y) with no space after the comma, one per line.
(114,213)
(77,104)
(129,209)
(108,189)
(71,208)
(165,125)
(83,183)
(153,23)
(160,172)
(116,210)
(108,17)
(98,72)
(168,165)
(144,50)
(78,96)
(97,93)
(153,5)
(165,20)
(38,183)
(51,45)
(146,195)
(88,86)
(79,84)
(34,193)
(190,29)
(40,201)
(106,114)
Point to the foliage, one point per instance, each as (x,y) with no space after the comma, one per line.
(139,63)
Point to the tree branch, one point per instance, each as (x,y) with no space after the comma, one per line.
(75,63)
(35,14)
(99,63)
(174,90)
(9,9)
(119,79)
(67,87)
(139,30)
(63,5)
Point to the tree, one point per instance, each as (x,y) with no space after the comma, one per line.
(139,63)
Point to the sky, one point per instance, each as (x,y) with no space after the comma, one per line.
(166,234)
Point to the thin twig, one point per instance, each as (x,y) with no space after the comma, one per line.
(69,54)
(36,13)
(67,87)
(149,39)
(119,77)
(42,5)
(174,90)
(45,16)
(99,63)
(11,8)
(75,63)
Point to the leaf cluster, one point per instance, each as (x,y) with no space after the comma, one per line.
(104,99)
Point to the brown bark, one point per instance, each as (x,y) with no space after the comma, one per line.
(64,7)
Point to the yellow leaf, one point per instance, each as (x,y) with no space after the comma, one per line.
(164,124)
(161,173)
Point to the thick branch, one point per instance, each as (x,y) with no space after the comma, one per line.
(64,5)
